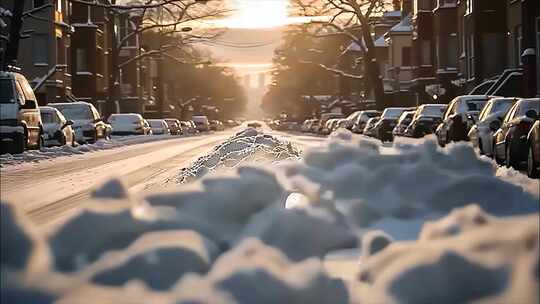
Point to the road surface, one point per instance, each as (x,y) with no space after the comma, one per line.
(50,190)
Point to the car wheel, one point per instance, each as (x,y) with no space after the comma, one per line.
(508,160)
(532,168)
(19,144)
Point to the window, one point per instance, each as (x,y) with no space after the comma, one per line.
(426,52)
(39,3)
(452,50)
(60,51)
(406,56)
(469,7)
(81,60)
(518,42)
(40,49)
(470,57)
(538,55)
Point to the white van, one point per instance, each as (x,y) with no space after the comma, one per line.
(20,119)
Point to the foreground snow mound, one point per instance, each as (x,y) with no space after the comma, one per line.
(253,272)
(299,234)
(248,146)
(107,230)
(21,248)
(491,263)
(157,258)
(226,203)
(408,183)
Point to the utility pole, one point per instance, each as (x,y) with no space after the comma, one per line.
(160,78)
(16,22)
(114,83)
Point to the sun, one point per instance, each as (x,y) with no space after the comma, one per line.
(257,14)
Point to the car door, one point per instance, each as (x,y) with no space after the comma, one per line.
(443,130)
(29,111)
(501,134)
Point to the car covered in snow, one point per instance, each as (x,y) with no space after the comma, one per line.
(510,140)
(188,127)
(88,124)
(159,127)
(369,129)
(426,119)
(388,120)
(403,122)
(20,121)
(129,124)
(174,126)
(201,122)
(57,130)
(481,134)
(533,153)
(361,120)
(459,117)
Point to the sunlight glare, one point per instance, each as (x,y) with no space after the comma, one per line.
(258,14)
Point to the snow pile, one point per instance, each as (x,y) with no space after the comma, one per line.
(248,146)
(47,153)
(490,263)
(229,238)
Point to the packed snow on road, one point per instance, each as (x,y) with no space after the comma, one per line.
(258,221)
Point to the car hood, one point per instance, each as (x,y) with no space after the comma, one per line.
(8,110)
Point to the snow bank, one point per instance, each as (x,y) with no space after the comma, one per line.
(490,263)
(248,146)
(228,238)
(256,273)
(47,153)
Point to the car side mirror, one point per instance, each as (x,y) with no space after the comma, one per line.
(68,123)
(495,125)
(531,114)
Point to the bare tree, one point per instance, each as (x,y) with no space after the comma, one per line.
(337,17)
(170,18)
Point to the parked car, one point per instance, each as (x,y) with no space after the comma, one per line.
(459,117)
(324,119)
(425,121)
(388,120)
(481,134)
(307,125)
(20,121)
(510,140)
(533,153)
(403,122)
(174,126)
(370,126)
(361,120)
(351,119)
(129,124)
(159,127)
(88,124)
(57,130)
(201,122)
(187,127)
(216,125)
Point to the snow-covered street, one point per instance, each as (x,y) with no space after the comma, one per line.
(298,215)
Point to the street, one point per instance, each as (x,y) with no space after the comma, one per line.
(50,190)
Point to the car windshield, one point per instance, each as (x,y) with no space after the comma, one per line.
(526,105)
(6,91)
(155,123)
(48,117)
(76,111)
(392,113)
(502,105)
(475,104)
(123,118)
(432,111)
